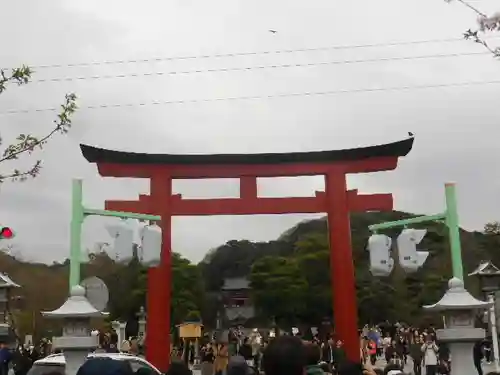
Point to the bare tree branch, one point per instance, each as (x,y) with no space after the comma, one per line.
(465,3)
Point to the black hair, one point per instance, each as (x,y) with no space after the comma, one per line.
(312,353)
(285,355)
(350,368)
(178,368)
(325,367)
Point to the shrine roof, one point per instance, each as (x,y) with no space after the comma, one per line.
(77,305)
(6,282)
(394,149)
(236,283)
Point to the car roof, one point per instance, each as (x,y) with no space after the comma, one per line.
(58,359)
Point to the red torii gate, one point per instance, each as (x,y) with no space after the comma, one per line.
(336,201)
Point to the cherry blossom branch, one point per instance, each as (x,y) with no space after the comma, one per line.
(27,143)
(491,23)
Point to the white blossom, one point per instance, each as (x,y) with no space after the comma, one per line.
(491,23)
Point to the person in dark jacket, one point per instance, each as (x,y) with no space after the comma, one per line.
(390,351)
(21,361)
(327,352)
(477,356)
(417,355)
(5,358)
(339,356)
(238,366)
(313,355)
(245,350)
(178,368)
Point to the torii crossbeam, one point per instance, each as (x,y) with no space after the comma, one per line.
(336,201)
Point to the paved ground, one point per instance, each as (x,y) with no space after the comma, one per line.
(409,366)
(381,363)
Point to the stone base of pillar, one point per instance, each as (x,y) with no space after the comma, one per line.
(461,342)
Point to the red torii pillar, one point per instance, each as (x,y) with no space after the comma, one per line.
(336,201)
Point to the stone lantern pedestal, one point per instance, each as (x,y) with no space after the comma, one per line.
(489,279)
(459,308)
(119,328)
(142,328)
(76,341)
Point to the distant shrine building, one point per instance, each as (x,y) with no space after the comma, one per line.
(238,306)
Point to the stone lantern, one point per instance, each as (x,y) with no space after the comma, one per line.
(76,341)
(459,308)
(6,329)
(142,325)
(489,280)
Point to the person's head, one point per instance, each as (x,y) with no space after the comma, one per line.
(237,366)
(285,355)
(312,353)
(339,343)
(350,368)
(325,367)
(392,369)
(178,368)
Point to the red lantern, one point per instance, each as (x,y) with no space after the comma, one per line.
(6,233)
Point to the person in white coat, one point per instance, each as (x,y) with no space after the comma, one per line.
(430,355)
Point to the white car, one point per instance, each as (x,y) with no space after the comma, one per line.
(57,363)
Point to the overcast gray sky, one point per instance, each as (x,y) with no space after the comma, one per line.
(456,128)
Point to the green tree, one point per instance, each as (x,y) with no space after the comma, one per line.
(187,289)
(130,277)
(492,228)
(279,288)
(26,144)
(312,254)
(193,316)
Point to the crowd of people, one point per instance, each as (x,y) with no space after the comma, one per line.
(387,345)
(384,349)
(22,357)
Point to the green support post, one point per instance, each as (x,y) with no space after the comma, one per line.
(78,215)
(454,231)
(450,216)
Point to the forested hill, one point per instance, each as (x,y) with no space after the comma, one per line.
(289,276)
(301,255)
